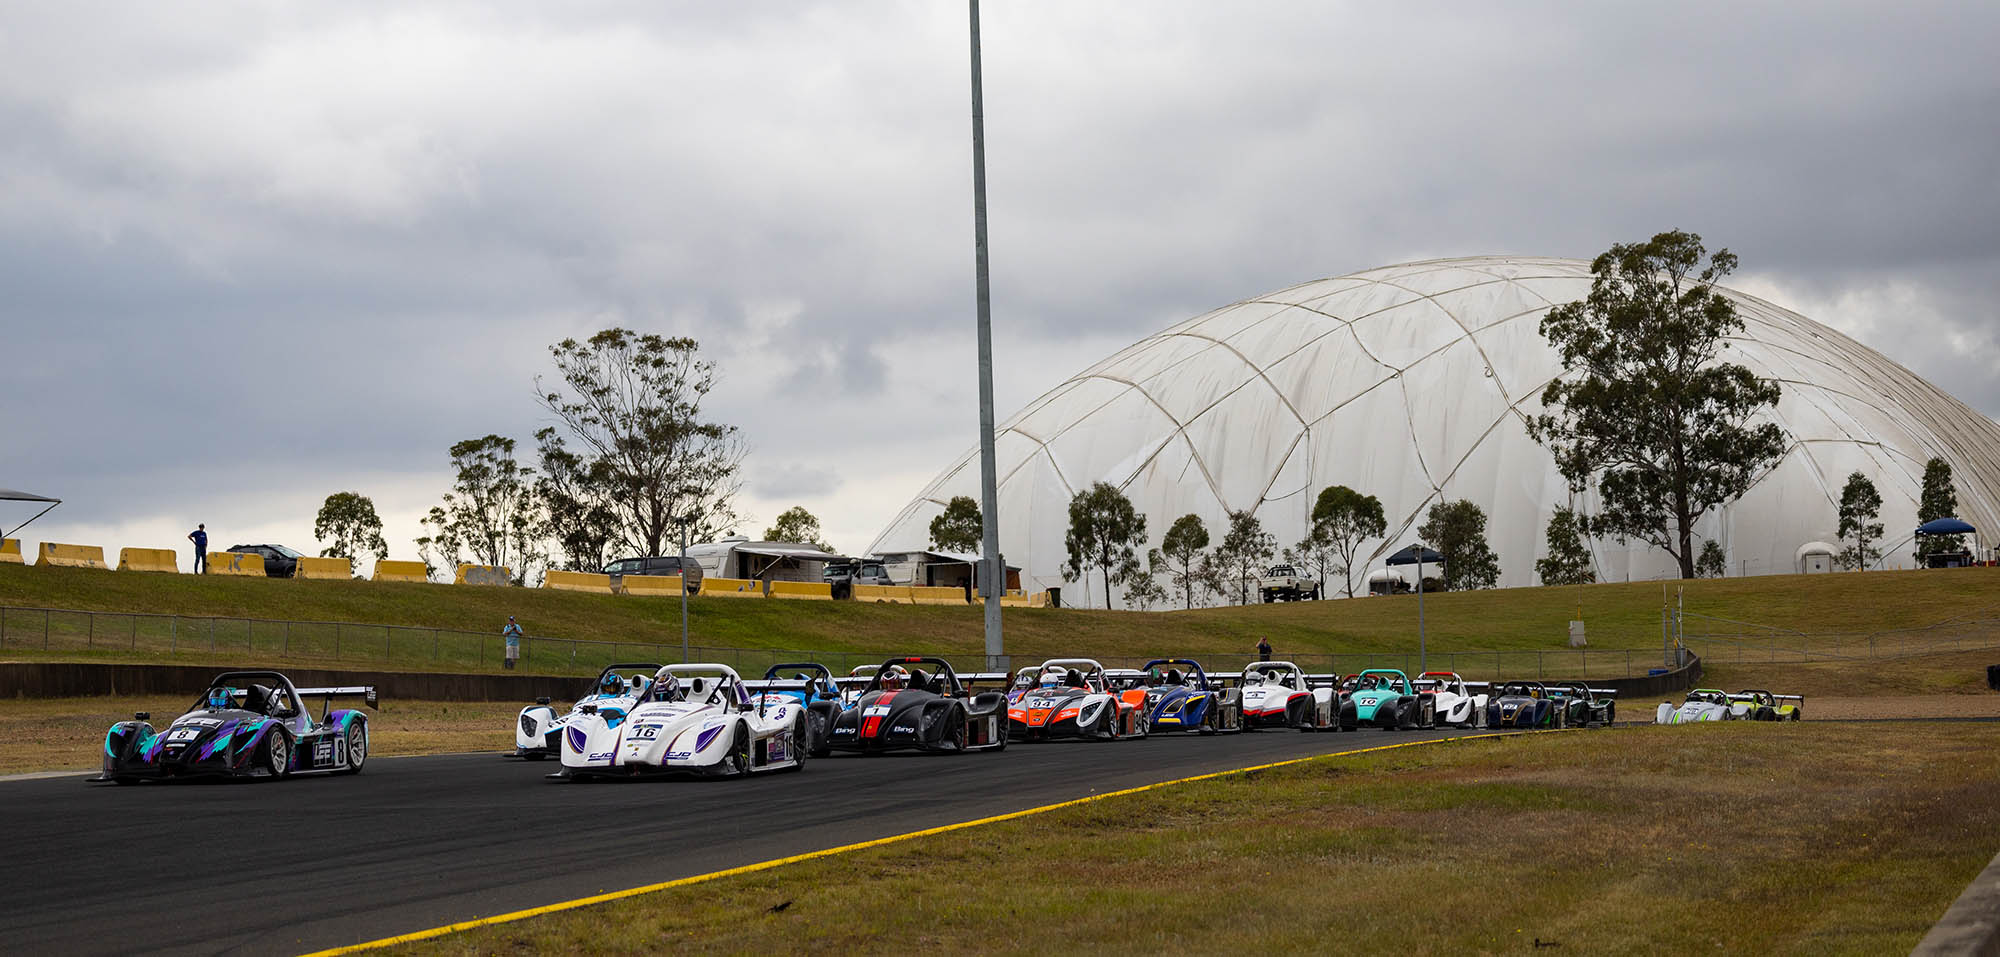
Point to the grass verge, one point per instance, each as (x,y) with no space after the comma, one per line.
(1794,838)
(1620,617)
(65,734)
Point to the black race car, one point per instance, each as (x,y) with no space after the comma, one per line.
(905,707)
(1583,705)
(248,724)
(1523,704)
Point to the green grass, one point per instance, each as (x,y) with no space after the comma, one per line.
(1750,839)
(1620,617)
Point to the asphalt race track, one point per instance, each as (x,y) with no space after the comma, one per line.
(411,843)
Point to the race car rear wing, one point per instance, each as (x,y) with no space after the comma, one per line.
(777,684)
(365,692)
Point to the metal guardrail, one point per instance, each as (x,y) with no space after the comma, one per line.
(383,646)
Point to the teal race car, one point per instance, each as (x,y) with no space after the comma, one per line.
(1386,698)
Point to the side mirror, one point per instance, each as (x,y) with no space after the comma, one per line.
(141,715)
(542,700)
(588,709)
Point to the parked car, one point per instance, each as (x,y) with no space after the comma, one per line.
(1285,583)
(843,576)
(279,561)
(655,565)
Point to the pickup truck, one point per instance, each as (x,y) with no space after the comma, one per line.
(1284,583)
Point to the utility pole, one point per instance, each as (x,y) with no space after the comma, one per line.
(995,583)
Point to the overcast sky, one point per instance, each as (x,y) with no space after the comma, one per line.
(254,254)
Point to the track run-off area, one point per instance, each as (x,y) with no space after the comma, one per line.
(424,842)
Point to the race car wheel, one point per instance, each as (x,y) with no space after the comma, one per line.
(276,755)
(801,743)
(737,762)
(357,748)
(957,731)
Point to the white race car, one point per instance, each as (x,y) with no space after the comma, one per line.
(538,731)
(1279,694)
(696,718)
(1460,703)
(1712,704)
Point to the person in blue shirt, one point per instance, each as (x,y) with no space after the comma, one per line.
(512,635)
(200,539)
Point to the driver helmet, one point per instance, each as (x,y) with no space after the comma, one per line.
(611,686)
(219,697)
(667,688)
(892,679)
(1051,679)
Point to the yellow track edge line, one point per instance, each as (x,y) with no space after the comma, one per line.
(512,916)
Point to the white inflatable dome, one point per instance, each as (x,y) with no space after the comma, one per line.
(1412,383)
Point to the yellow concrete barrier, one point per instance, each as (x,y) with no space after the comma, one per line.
(10,551)
(669,585)
(245,564)
(1013,601)
(1039,599)
(484,575)
(894,594)
(732,587)
(387,571)
(576,581)
(72,556)
(932,595)
(148,560)
(325,569)
(821,591)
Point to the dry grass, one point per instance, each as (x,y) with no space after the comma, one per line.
(62,734)
(1787,838)
(1947,673)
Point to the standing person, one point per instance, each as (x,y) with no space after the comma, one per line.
(200,539)
(512,635)
(1263,649)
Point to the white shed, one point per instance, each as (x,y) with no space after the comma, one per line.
(1814,558)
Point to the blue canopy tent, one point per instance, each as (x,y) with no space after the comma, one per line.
(1945,526)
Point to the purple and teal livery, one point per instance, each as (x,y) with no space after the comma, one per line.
(262,729)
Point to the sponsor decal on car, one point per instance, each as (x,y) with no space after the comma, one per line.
(598,756)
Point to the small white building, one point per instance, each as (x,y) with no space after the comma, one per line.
(1814,558)
(938,569)
(1387,581)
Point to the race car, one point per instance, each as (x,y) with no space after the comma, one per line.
(1713,704)
(1278,694)
(248,724)
(1765,706)
(1455,701)
(1177,695)
(1523,704)
(905,707)
(812,687)
(1387,699)
(1072,698)
(538,731)
(694,719)
(1584,705)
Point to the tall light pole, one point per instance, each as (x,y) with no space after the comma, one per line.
(995,583)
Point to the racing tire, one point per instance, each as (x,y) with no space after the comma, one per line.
(957,731)
(275,754)
(736,764)
(801,743)
(1797,713)
(1611,714)
(357,748)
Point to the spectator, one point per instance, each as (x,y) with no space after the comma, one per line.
(1263,649)
(512,635)
(200,539)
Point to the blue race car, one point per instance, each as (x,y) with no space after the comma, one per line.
(248,724)
(810,686)
(1179,696)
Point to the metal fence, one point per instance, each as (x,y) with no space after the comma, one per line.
(386,647)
